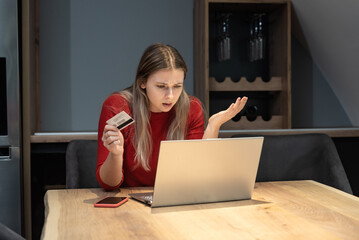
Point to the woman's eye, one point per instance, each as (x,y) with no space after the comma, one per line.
(178,86)
(160,86)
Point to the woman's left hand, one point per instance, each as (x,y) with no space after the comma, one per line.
(223,116)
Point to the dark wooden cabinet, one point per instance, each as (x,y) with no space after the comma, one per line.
(266,82)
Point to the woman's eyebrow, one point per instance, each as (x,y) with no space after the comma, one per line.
(164,83)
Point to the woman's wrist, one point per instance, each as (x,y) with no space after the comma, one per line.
(211,131)
(117,155)
(214,124)
(111,170)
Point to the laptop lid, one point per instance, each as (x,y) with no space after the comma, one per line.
(203,171)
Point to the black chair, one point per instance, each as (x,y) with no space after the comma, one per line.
(8,234)
(301,157)
(81,159)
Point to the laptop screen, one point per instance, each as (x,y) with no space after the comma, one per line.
(211,170)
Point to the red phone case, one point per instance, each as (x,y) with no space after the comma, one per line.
(111,205)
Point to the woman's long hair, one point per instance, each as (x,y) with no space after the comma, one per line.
(156,57)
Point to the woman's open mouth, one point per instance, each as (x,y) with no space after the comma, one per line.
(167,104)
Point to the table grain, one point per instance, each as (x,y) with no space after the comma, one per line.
(277,210)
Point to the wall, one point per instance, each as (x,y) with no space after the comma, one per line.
(314,104)
(331,36)
(89,49)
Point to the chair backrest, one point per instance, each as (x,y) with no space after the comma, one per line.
(81,159)
(302,157)
(9,234)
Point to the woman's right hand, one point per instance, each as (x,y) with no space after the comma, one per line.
(112,139)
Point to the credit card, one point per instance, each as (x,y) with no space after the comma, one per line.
(120,120)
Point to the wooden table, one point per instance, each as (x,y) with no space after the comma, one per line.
(278,210)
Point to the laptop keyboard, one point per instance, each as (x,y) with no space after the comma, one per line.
(143,197)
(148,198)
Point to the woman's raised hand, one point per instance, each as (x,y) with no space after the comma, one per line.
(223,116)
(112,139)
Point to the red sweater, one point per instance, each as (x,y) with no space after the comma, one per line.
(159,123)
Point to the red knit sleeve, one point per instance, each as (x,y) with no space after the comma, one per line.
(195,124)
(114,104)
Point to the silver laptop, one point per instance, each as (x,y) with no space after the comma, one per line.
(204,171)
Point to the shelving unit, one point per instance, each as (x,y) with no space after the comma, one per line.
(275,84)
(260,123)
(265,82)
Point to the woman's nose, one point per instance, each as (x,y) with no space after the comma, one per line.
(169,93)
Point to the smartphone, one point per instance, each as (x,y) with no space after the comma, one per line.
(111,202)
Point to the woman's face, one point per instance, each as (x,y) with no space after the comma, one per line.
(163,89)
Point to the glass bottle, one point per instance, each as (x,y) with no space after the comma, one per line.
(260,38)
(224,38)
(251,41)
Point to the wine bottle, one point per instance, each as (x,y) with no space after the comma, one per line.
(252,112)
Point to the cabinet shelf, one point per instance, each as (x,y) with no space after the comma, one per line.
(275,84)
(219,82)
(275,122)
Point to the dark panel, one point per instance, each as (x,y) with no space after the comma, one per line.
(348,150)
(3,98)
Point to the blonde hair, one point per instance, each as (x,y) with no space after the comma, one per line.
(156,57)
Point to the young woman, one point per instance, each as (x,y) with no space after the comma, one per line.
(162,111)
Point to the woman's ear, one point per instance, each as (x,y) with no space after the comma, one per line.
(143,86)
